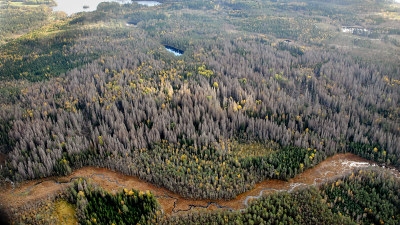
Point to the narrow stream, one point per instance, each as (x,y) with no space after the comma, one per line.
(170,202)
(327,170)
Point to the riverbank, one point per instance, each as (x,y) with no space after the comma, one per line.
(31,192)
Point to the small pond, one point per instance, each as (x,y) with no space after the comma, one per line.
(132,23)
(173,50)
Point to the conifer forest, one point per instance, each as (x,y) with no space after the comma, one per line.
(202,99)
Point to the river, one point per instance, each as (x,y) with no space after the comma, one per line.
(172,203)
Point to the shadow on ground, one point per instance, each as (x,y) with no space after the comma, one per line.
(4,219)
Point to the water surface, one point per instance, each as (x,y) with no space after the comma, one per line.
(74,6)
(148,3)
(175,51)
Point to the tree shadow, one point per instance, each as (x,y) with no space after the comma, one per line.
(4,217)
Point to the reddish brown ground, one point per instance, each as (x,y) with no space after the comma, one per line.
(2,158)
(31,191)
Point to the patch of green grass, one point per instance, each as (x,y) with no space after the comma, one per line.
(65,213)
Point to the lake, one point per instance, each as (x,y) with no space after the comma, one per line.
(73,6)
(148,3)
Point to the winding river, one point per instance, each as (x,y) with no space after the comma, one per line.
(171,203)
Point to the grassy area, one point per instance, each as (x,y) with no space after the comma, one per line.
(65,213)
(255,149)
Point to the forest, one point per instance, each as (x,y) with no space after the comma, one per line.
(354,199)
(263,90)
